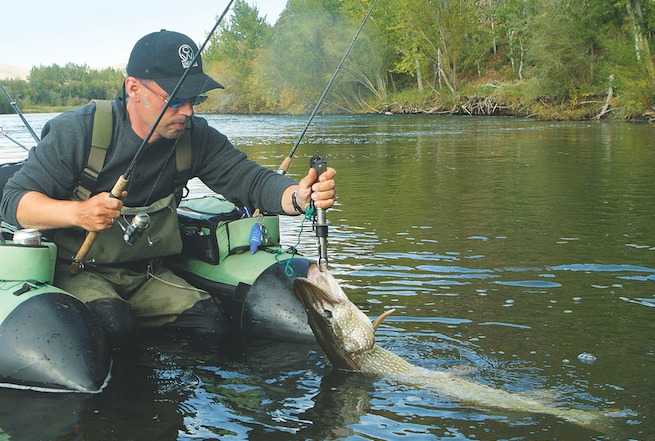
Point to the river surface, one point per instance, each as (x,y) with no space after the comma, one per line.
(522,251)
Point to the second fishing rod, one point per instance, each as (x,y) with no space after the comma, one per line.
(14,105)
(318,163)
(20,114)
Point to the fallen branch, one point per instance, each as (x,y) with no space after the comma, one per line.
(610,92)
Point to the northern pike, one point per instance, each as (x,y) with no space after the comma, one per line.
(347,338)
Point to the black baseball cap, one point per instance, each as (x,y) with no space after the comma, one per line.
(163,57)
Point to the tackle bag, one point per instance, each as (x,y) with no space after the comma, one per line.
(213,228)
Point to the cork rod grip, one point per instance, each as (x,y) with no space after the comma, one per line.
(284,167)
(78,260)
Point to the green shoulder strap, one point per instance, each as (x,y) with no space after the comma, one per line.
(101,137)
(103,125)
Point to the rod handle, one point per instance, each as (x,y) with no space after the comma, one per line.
(284,167)
(78,260)
(320,165)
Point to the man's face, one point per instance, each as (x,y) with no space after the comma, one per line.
(147,99)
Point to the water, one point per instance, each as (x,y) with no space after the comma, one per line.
(520,250)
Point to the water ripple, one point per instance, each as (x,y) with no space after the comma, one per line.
(529,284)
(602,268)
(510,325)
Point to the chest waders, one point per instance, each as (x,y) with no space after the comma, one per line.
(110,247)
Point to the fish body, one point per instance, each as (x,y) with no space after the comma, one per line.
(347,338)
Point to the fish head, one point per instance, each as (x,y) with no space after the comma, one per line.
(343,331)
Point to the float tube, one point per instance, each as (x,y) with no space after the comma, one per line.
(49,339)
(252,284)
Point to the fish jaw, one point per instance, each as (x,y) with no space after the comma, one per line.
(344,332)
(331,291)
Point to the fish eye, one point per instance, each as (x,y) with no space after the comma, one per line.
(327,313)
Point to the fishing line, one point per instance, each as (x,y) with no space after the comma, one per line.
(17,110)
(2,133)
(152,275)
(168,158)
(288,269)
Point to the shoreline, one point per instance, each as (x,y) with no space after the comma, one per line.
(484,106)
(474,106)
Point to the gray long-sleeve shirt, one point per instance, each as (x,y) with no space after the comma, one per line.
(53,167)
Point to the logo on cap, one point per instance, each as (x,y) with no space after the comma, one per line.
(186,55)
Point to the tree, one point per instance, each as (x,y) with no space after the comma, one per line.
(367,65)
(560,50)
(232,56)
(17,89)
(239,37)
(438,43)
(309,40)
(510,25)
(639,24)
(70,85)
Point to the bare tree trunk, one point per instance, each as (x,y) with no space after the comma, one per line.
(494,36)
(439,68)
(511,50)
(392,81)
(419,77)
(521,59)
(641,43)
(442,73)
(610,93)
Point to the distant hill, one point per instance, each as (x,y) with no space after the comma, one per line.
(12,72)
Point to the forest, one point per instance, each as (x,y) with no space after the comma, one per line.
(547,59)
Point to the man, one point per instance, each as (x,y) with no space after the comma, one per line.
(128,287)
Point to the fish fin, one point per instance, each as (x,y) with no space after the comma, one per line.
(378,321)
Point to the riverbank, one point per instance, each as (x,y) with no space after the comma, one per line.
(487,106)
(495,99)
(492,99)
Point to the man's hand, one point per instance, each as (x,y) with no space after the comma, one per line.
(36,210)
(98,212)
(323,192)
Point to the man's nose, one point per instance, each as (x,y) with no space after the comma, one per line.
(186,109)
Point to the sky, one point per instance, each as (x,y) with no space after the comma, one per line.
(102,34)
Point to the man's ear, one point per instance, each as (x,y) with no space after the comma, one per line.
(132,88)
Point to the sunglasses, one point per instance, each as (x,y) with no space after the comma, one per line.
(176,103)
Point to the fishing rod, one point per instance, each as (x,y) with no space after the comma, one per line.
(17,110)
(121,183)
(318,163)
(2,133)
(284,167)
